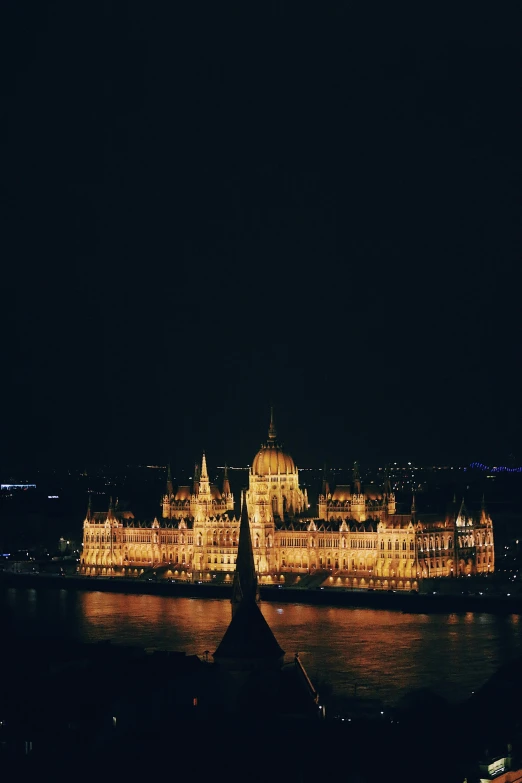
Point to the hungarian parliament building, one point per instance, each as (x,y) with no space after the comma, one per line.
(357,539)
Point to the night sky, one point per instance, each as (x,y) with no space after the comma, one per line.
(212,210)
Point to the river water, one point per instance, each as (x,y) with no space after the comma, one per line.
(373,653)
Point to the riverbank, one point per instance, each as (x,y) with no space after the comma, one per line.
(326,596)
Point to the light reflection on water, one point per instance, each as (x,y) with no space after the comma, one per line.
(382,653)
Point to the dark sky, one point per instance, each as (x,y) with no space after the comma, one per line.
(208,211)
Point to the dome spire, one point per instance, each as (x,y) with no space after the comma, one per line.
(272,434)
(271,459)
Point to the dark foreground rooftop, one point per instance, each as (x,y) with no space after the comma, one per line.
(79,709)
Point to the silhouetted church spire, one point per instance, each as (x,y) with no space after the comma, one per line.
(245,579)
(248,641)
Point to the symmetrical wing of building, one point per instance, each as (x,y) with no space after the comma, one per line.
(357,538)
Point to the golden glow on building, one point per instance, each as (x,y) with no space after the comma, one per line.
(357,540)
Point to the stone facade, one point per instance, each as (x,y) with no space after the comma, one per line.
(357,539)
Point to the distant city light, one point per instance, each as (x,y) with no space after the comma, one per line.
(229,467)
(17,486)
(499,469)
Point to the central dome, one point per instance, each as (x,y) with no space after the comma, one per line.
(271,458)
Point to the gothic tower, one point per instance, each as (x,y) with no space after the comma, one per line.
(358,505)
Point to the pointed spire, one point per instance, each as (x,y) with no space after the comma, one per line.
(245,587)
(462,513)
(170,487)
(483,512)
(196,479)
(89,507)
(204,473)
(387,482)
(326,486)
(203,481)
(248,644)
(272,434)
(413,508)
(356,478)
(226,482)
(109,514)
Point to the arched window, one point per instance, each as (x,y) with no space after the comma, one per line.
(389,544)
(397,545)
(382,544)
(404,545)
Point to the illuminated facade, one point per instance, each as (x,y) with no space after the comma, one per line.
(357,538)
(204,501)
